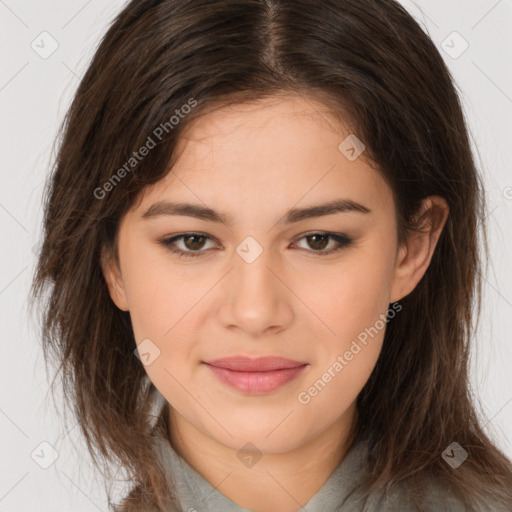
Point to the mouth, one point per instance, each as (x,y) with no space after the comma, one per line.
(256,376)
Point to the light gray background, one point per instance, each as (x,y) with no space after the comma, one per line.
(34,95)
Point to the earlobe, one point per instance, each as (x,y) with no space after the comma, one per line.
(414,258)
(113,279)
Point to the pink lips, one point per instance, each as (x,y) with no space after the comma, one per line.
(256,376)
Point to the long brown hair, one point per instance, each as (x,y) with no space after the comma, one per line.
(163,63)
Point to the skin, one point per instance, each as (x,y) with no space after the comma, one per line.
(254,162)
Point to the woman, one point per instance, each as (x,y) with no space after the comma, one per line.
(261,235)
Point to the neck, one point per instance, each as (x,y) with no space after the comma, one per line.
(288,479)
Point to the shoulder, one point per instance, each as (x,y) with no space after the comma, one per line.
(408,497)
(431,495)
(138,501)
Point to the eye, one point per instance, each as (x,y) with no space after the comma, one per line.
(319,241)
(193,243)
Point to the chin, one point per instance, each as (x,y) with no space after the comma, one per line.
(260,440)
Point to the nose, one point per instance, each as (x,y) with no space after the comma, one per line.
(255,298)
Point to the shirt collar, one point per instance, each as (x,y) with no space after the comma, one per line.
(194,492)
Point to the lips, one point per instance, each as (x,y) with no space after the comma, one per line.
(260,364)
(256,376)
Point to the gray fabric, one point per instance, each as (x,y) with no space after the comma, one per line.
(195,494)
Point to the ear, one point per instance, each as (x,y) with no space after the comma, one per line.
(114,280)
(414,257)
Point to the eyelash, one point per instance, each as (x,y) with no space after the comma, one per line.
(342,240)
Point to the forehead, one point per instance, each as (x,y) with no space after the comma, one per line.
(277,151)
(271,123)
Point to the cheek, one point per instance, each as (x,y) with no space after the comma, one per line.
(355,311)
(156,296)
(164,309)
(351,297)
(161,308)
(353,304)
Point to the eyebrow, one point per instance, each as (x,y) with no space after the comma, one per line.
(293,215)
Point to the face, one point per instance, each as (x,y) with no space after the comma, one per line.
(312,287)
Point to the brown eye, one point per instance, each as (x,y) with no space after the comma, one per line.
(194,242)
(317,241)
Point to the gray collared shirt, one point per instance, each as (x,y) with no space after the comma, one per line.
(196,494)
